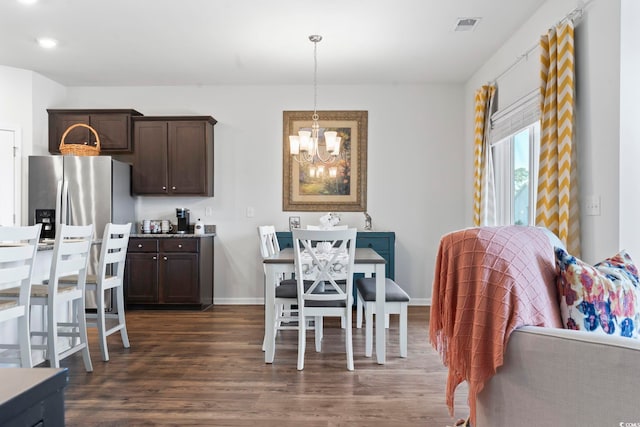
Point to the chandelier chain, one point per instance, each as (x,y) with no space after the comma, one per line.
(315,78)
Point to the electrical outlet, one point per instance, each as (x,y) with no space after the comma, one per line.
(208,211)
(251,212)
(592,205)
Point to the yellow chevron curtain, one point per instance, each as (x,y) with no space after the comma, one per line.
(557,203)
(484,200)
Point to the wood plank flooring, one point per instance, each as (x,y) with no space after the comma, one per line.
(187,368)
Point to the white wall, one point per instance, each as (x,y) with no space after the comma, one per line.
(597,106)
(415,176)
(629,130)
(24,97)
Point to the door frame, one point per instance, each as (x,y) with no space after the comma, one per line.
(17,170)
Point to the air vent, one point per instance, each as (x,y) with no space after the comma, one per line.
(466,24)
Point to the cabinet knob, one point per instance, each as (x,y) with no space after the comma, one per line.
(154,257)
(164,188)
(173,188)
(180,246)
(139,245)
(165,258)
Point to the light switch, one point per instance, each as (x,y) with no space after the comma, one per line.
(208,211)
(592,205)
(251,212)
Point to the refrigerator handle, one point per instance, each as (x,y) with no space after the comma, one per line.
(65,202)
(59,203)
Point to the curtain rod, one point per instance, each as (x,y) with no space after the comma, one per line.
(573,15)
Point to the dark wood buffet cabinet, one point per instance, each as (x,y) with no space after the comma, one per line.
(173,155)
(169,272)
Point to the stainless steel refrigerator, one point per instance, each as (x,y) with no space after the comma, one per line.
(80,190)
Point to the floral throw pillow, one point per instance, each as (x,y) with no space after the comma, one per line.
(603,298)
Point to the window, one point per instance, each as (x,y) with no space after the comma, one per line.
(515,147)
(515,160)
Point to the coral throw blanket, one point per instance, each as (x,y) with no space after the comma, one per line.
(488,282)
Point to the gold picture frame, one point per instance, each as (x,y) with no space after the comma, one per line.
(304,189)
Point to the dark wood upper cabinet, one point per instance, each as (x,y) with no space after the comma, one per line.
(113,127)
(173,155)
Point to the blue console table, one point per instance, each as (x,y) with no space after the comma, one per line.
(383,242)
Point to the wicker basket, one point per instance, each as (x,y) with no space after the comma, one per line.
(80,149)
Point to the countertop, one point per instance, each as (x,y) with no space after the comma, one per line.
(170,236)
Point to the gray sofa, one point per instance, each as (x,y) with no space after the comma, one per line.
(559,377)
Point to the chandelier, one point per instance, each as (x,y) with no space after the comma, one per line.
(305,146)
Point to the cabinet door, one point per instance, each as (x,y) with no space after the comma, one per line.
(179,278)
(141,278)
(188,155)
(114,131)
(150,164)
(60,122)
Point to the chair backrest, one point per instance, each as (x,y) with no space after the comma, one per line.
(18,249)
(113,253)
(70,255)
(324,257)
(268,240)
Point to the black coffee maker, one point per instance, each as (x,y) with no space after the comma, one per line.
(183,220)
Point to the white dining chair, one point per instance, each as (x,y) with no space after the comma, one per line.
(396,302)
(70,256)
(110,276)
(285,317)
(18,249)
(325,257)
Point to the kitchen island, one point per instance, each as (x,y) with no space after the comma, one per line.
(169,271)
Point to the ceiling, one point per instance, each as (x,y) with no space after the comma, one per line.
(212,42)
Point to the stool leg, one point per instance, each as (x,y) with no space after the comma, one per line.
(359,309)
(100,321)
(403,330)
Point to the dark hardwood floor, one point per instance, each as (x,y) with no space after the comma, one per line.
(207,369)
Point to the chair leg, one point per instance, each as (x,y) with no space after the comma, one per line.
(302,341)
(52,338)
(349,340)
(386,320)
(102,336)
(368,334)
(403,330)
(121,317)
(359,309)
(82,330)
(319,330)
(25,341)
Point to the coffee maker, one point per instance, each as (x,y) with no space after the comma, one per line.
(183,220)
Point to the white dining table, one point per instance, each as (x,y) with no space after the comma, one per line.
(367,261)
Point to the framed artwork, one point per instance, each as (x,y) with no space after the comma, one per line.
(336,186)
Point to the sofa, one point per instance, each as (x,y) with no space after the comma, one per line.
(541,375)
(559,377)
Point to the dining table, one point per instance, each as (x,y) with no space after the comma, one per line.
(367,261)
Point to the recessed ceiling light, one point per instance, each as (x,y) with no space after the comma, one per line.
(47,43)
(28,1)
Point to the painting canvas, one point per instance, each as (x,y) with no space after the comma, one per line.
(338,184)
